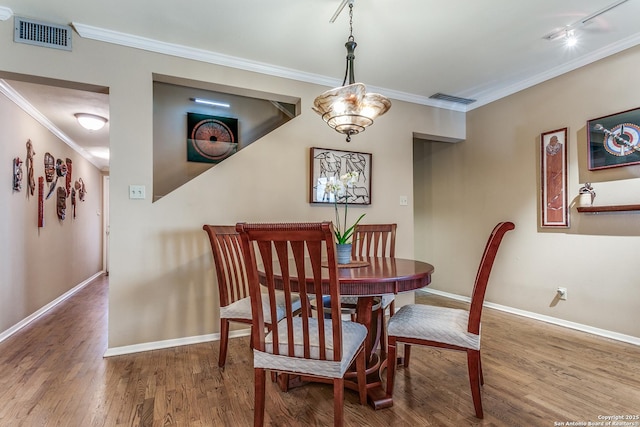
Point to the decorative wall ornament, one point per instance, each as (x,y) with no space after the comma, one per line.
(211,139)
(49,167)
(587,194)
(31,182)
(61,171)
(73,201)
(61,204)
(80,187)
(61,168)
(17,174)
(69,163)
(553,160)
(52,187)
(40,201)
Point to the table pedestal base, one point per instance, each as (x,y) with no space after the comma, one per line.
(369,313)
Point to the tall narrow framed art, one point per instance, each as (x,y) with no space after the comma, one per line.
(553,160)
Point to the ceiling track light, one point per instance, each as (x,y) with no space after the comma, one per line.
(568,33)
(570,38)
(601,11)
(341,6)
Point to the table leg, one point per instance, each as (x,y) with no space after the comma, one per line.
(369,312)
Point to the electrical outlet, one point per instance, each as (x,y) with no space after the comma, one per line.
(136,192)
(404,200)
(562,293)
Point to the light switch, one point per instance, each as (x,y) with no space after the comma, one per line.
(136,192)
(404,201)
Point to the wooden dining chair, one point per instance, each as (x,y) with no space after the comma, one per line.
(233,288)
(445,327)
(374,240)
(302,345)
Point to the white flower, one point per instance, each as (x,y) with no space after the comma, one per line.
(350,178)
(335,188)
(338,189)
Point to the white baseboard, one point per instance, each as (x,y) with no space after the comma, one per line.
(158,345)
(548,319)
(24,322)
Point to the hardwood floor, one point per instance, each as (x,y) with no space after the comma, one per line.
(536,374)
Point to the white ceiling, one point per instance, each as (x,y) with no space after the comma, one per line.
(407,50)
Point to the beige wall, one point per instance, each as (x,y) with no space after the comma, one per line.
(162,283)
(39,265)
(464,189)
(161,279)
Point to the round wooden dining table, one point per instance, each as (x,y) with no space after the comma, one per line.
(368,278)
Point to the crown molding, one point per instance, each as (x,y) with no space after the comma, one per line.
(5,13)
(186,52)
(25,105)
(496,93)
(485,97)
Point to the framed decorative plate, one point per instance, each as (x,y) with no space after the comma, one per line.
(614,140)
(211,139)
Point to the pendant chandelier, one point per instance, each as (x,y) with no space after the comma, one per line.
(349,109)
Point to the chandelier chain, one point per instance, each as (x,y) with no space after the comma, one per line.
(351,21)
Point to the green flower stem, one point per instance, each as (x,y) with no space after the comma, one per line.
(346,181)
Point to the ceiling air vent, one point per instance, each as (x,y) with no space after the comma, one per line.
(451,98)
(42,34)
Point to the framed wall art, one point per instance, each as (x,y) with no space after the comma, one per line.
(211,139)
(329,165)
(553,160)
(614,140)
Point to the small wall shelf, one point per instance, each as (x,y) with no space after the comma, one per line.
(609,208)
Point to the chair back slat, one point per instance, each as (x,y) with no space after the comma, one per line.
(484,271)
(376,240)
(297,250)
(229,263)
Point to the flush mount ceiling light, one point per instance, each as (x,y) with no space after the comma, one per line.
(349,109)
(90,121)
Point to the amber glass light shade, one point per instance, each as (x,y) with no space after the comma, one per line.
(350,109)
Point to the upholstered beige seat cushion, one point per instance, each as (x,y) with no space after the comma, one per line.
(386,300)
(353,335)
(241,309)
(441,324)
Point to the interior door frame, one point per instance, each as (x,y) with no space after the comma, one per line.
(105,224)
